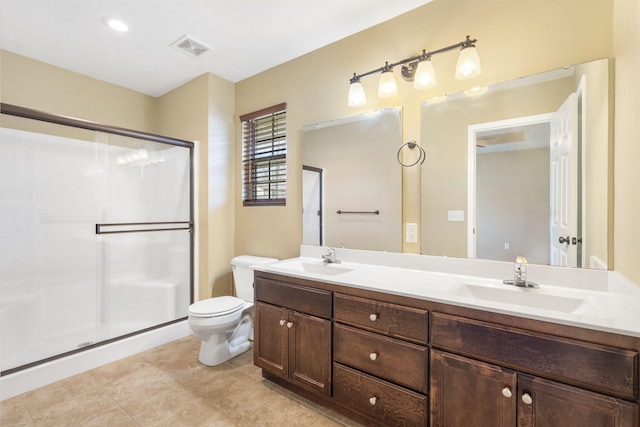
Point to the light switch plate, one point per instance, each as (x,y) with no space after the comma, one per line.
(456,215)
(411,232)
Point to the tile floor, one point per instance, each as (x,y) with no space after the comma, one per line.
(166,386)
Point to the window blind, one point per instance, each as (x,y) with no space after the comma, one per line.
(264,156)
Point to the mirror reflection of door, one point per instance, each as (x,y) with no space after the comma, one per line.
(528,187)
(512,200)
(311,206)
(564,185)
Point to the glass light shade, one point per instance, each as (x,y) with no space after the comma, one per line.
(387,87)
(468,64)
(425,76)
(357,96)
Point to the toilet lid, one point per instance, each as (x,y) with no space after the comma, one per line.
(218,306)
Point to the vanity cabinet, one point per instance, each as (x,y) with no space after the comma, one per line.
(292,333)
(381,360)
(499,374)
(384,359)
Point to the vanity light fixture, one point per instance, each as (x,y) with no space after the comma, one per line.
(418,69)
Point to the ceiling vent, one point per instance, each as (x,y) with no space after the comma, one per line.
(190,46)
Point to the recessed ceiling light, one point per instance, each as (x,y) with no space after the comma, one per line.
(115,24)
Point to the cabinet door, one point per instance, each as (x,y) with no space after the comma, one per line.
(548,403)
(466,392)
(310,352)
(270,332)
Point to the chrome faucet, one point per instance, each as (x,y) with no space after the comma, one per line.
(330,257)
(520,274)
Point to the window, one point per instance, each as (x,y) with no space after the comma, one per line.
(264,156)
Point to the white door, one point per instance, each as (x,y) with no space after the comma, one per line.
(311,206)
(564,183)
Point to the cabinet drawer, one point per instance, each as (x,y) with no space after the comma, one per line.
(316,302)
(391,319)
(394,360)
(384,403)
(607,369)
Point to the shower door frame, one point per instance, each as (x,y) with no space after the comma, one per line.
(28,113)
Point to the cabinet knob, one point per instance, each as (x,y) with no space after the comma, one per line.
(282,322)
(373,356)
(289,325)
(506,392)
(526,398)
(373,317)
(373,400)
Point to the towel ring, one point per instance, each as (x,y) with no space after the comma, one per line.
(412,144)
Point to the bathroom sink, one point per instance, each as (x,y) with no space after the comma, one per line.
(522,297)
(311,266)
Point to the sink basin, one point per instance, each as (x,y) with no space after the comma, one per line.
(522,297)
(312,267)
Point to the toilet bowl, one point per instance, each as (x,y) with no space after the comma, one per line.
(225,324)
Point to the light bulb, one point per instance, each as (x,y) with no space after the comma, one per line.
(425,76)
(357,96)
(468,64)
(387,87)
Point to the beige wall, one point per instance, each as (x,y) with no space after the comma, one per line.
(33,84)
(627,143)
(524,38)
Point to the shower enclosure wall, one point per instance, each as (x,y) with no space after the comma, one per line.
(96,234)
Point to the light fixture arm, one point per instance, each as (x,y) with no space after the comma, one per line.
(409,71)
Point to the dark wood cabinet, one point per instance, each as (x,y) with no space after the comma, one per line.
(380,371)
(561,381)
(293,345)
(548,403)
(384,359)
(466,392)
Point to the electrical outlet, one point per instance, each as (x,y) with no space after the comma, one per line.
(411,232)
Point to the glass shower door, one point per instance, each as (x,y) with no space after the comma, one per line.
(95,237)
(144,239)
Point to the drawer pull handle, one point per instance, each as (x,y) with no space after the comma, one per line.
(506,392)
(289,325)
(373,356)
(373,400)
(281,322)
(526,398)
(373,317)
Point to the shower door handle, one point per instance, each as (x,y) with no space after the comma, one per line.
(143,227)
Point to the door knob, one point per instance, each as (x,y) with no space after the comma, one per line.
(373,400)
(566,240)
(282,322)
(506,392)
(526,398)
(289,325)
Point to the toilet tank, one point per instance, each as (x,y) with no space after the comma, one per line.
(243,274)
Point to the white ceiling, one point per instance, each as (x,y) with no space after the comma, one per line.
(247,36)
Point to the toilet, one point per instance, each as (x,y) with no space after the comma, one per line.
(224,324)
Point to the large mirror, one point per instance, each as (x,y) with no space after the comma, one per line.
(521,169)
(352,182)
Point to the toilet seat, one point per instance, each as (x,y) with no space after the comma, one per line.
(214,307)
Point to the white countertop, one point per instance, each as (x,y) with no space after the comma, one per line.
(586,298)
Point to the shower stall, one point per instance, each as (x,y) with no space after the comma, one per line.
(96,235)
